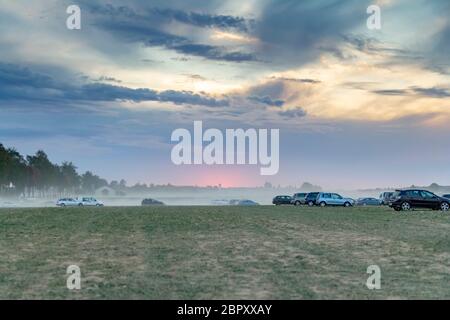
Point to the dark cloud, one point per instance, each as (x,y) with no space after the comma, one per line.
(296,32)
(433,92)
(293,113)
(21,83)
(108,79)
(312,81)
(204,20)
(392,92)
(212,52)
(267,101)
(147,28)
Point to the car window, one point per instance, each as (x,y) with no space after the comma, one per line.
(336,196)
(414,194)
(427,194)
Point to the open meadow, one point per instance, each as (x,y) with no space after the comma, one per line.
(261,252)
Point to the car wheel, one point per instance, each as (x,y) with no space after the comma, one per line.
(310,203)
(406,206)
(80,204)
(297,203)
(347,204)
(323,204)
(63,205)
(445,206)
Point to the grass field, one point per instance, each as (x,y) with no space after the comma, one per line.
(223,253)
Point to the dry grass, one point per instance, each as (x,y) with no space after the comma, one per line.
(223,253)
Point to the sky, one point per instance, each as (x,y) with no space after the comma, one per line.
(356,108)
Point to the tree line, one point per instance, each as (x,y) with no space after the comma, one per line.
(37,176)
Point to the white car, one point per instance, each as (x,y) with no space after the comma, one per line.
(67,202)
(89,201)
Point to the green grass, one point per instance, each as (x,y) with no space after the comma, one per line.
(224,253)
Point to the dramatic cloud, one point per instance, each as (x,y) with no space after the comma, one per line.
(299,112)
(21,83)
(204,20)
(310,68)
(434,92)
(267,101)
(148,28)
(297,32)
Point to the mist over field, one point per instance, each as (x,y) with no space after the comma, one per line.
(198,197)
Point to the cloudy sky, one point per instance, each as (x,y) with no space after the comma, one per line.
(356,108)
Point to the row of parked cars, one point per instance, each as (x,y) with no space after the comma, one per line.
(314,198)
(399,200)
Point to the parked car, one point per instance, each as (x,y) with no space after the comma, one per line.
(311,198)
(416,198)
(446,196)
(299,198)
(368,202)
(279,200)
(247,203)
(89,202)
(67,202)
(385,198)
(333,199)
(151,202)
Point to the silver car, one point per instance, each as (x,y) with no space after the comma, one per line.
(333,199)
(90,202)
(67,202)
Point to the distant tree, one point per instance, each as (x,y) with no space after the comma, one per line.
(122,184)
(44,174)
(91,182)
(114,184)
(306,186)
(70,179)
(17,171)
(434,186)
(36,175)
(268,185)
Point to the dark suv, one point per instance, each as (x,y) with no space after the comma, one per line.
(311,198)
(416,198)
(279,200)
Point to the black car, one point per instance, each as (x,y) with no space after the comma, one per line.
(311,198)
(152,202)
(279,200)
(416,198)
(446,196)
